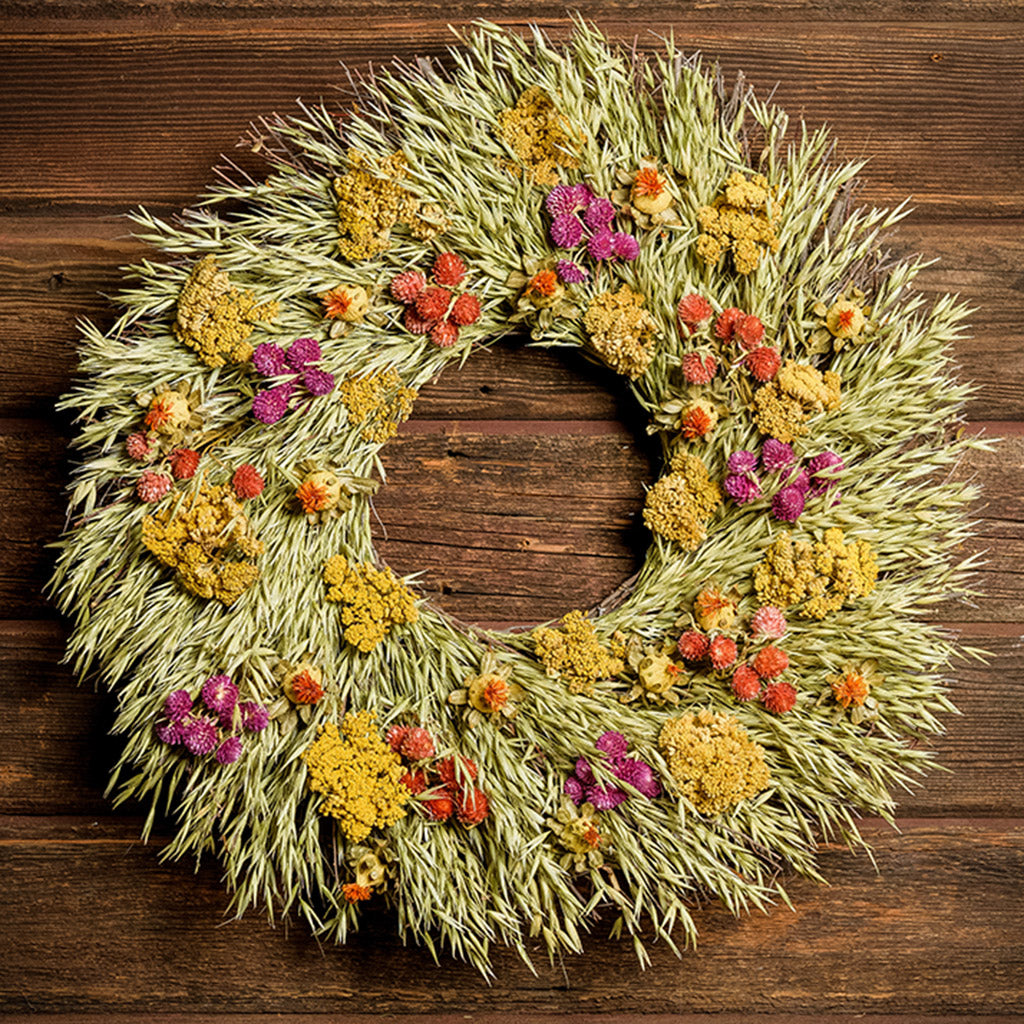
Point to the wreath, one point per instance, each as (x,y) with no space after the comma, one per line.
(337,740)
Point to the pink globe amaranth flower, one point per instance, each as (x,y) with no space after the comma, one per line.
(770,622)
(625,246)
(584,772)
(601,245)
(177,705)
(599,214)
(317,382)
(169,733)
(742,489)
(614,744)
(564,200)
(566,231)
(270,405)
(220,694)
(199,735)
(255,717)
(822,469)
(798,479)
(788,504)
(302,352)
(269,359)
(229,751)
(584,197)
(571,273)
(638,774)
(573,789)
(742,462)
(776,455)
(605,798)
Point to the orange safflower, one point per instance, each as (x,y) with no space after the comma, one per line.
(544,283)
(696,423)
(354,892)
(850,688)
(312,496)
(336,303)
(648,182)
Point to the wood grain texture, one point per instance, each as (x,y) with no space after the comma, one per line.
(106,105)
(939,929)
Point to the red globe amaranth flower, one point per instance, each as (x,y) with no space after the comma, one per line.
(697,370)
(449,269)
(771,661)
(444,334)
(770,622)
(396,736)
(694,311)
(750,332)
(356,893)
(138,447)
(454,775)
(414,323)
(472,807)
(779,697)
(723,652)
(692,646)
(432,303)
(439,807)
(418,744)
(746,683)
(184,463)
(247,482)
(153,486)
(405,287)
(725,325)
(466,310)
(763,363)
(414,780)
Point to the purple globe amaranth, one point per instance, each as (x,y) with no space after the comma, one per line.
(571,273)
(269,359)
(565,199)
(742,489)
(742,462)
(255,717)
(601,245)
(614,744)
(798,479)
(776,455)
(823,469)
(177,705)
(599,214)
(270,405)
(584,772)
(625,246)
(169,733)
(788,504)
(573,789)
(199,736)
(220,694)
(566,231)
(638,774)
(584,197)
(302,352)
(604,798)
(229,751)
(317,382)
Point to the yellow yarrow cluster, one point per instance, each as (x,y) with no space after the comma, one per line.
(374,601)
(742,220)
(680,504)
(714,761)
(782,406)
(822,574)
(194,540)
(540,136)
(358,775)
(371,203)
(379,402)
(574,653)
(621,331)
(215,319)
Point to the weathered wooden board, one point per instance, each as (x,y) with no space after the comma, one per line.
(939,929)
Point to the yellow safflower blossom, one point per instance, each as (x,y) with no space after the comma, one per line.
(713,760)
(357,774)
(374,601)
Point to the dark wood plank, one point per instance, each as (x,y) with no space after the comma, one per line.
(939,930)
(57,270)
(145,110)
(55,754)
(455,508)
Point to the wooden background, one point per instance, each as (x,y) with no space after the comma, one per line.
(106,105)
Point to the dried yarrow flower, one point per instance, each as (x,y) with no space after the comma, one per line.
(540,136)
(377,403)
(680,504)
(621,331)
(574,653)
(374,601)
(741,222)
